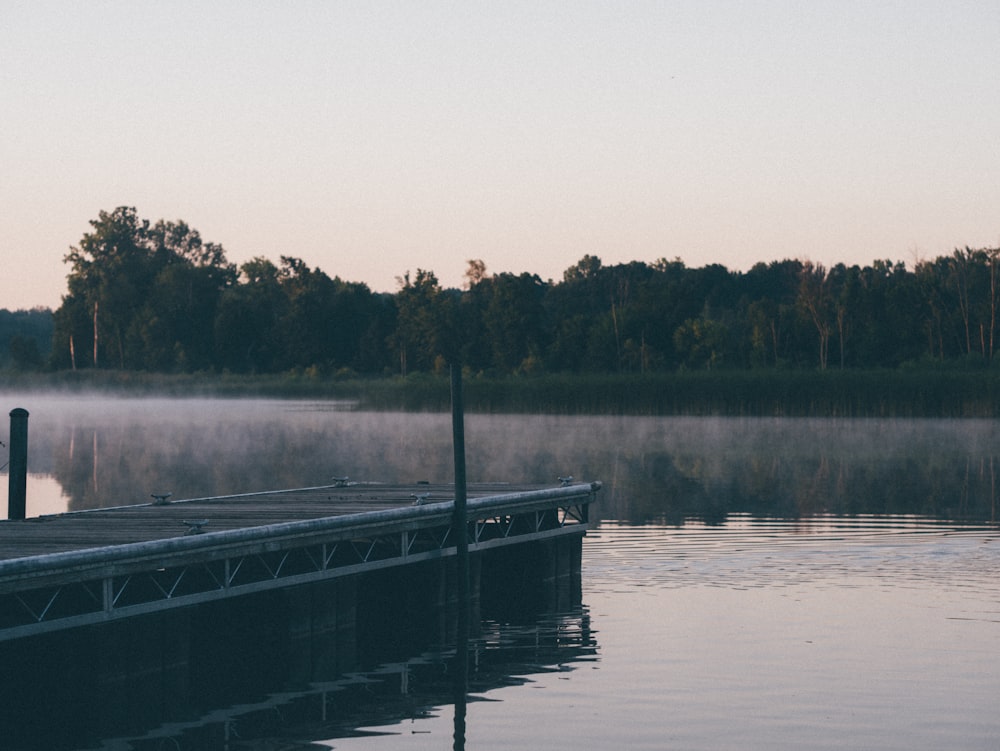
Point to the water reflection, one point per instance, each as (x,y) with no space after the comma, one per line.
(391,696)
(104,452)
(778,584)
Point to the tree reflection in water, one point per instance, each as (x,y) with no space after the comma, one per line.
(107,452)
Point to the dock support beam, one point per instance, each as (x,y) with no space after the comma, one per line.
(18,478)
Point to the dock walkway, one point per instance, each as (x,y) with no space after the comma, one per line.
(87,567)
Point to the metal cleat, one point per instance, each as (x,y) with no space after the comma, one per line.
(195,526)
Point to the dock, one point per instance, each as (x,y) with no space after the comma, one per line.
(92,567)
(125,621)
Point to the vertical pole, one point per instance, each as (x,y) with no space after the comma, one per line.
(18,478)
(95,333)
(459,527)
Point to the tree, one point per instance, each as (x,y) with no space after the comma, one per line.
(475,273)
(323,319)
(422,325)
(245,326)
(158,297)
(25,338)
(147,293)
(112,274)
(768,295)
(702,342)
(586,268)
(846,294)
(762,320)
(816,300)
(929,278)
(973,280)
(174,330)
(515,320)
(24,353)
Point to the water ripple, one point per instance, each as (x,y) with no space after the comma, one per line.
(750,552)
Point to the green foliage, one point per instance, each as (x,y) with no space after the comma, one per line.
(139,296)
(705,341)
(155,297)
(25,338)
(422,323)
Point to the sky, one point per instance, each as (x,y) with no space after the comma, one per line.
(372,138)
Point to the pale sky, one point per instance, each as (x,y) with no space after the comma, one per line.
(370,138)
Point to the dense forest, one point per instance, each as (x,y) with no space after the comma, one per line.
(157,298)
(26,337)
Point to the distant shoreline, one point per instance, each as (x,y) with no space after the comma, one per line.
(943,393)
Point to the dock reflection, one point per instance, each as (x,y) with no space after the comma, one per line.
(308,716)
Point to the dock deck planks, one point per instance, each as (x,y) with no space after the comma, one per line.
(123,525)
(87,567)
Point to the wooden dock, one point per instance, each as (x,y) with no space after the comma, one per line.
(91,567)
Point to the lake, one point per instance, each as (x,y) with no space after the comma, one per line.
(747,584)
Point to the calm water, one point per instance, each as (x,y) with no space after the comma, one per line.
(829,634)
(761,584)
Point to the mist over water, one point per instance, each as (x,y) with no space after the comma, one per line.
(100,452)
(747,583)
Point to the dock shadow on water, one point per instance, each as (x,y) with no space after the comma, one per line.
(297,668)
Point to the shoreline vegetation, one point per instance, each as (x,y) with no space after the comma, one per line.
(154,297)
(153,309)
(932,392)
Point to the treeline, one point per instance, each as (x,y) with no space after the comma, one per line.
(25,338)
(157,298)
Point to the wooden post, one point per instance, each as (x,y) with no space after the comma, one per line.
(18,477)
(459,527)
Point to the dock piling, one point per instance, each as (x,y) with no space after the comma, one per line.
(460,525)
(18,477)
